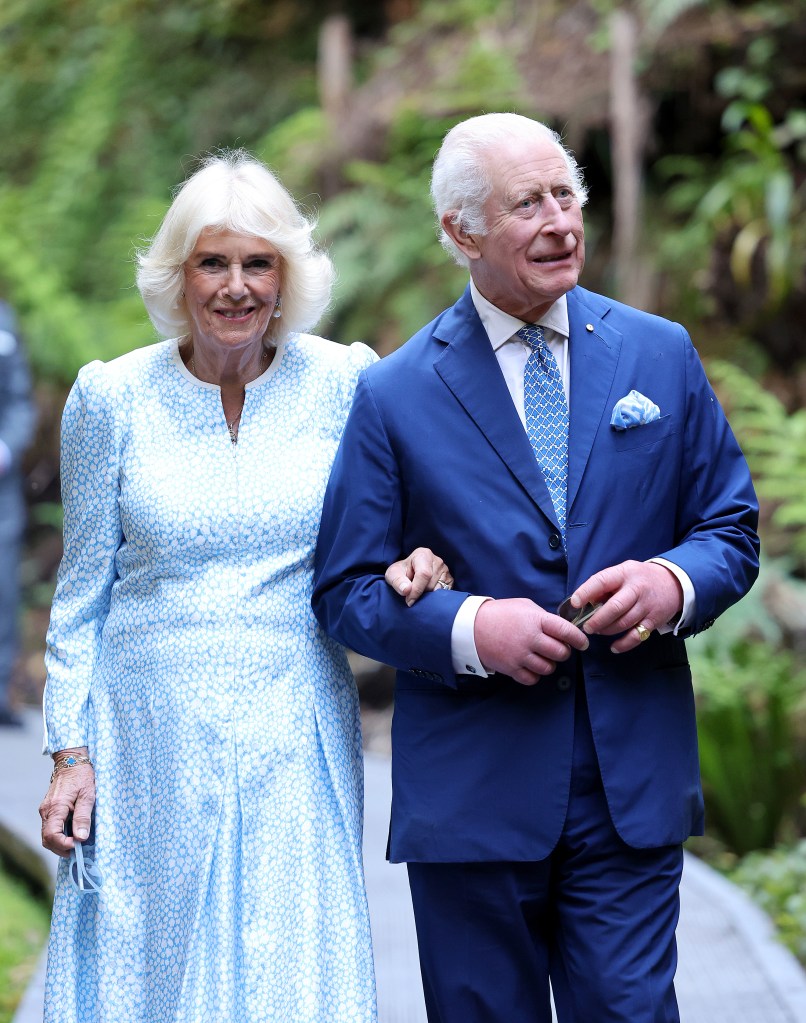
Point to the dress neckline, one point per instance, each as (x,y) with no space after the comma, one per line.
(266,375)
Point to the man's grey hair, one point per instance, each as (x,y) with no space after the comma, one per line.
(461,181)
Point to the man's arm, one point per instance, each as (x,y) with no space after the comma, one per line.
(363,529)
(361,533)
(716,516)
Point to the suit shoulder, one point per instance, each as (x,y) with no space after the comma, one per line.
(626,317)
(416,354)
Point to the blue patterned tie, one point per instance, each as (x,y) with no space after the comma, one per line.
(546,412)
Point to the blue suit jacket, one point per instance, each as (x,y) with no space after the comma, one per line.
(434,454)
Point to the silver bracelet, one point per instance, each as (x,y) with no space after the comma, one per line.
(70,761)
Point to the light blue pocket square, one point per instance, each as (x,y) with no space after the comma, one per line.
(633,410)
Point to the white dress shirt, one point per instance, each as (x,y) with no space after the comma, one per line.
(511,354)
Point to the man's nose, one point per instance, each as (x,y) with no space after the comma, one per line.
(555,218)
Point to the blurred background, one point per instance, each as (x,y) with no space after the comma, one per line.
(689,118)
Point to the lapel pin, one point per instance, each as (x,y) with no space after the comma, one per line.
(589,327)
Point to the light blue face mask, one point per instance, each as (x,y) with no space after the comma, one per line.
(85,877)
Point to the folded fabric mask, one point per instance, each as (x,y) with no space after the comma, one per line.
(634,409)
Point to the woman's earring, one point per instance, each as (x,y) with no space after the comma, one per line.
(278,307)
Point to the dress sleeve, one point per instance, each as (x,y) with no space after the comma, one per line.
(359,356)
(92,537)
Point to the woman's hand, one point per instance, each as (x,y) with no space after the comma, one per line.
(422,570)
(72,788)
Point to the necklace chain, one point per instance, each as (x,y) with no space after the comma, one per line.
(233,433)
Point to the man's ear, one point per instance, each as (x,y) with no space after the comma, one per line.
(466,243)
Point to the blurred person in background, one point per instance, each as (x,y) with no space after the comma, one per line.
(17,419)
(204,730)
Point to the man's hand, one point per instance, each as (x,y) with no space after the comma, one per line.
(518,638)
(634,593)
(422,570)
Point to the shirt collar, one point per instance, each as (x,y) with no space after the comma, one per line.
(500,326)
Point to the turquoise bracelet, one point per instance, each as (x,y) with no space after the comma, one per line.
(70,761)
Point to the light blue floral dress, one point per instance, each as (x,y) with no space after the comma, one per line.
(222,722)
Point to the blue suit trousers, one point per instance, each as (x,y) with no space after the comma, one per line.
(596,920)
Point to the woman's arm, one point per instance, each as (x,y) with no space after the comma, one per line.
(92,537)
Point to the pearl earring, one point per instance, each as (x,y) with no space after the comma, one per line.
(278,308)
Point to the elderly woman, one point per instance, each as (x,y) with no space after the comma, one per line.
(191,698)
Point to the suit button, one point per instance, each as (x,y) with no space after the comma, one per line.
(563,683)
(555,541)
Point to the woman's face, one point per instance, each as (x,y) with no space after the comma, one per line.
(231,286)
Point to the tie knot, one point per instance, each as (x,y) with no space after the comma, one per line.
(532,335)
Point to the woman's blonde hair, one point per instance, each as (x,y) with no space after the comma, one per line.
(233,191)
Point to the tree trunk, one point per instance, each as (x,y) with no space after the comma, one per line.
(628,120)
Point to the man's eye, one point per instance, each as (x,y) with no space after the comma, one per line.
(526,203)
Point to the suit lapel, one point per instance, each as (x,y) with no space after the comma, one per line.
(469,368)
(594,356)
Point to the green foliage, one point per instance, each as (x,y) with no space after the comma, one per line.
(774,443)
(654,16)
(750,698)
(24,925)
(777,882)
(105,100)
(381,232)
(293,149)
(752,199)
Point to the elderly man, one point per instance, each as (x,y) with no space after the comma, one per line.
(16,426)
(548,442)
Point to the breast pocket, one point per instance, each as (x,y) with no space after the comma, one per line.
(641,464)
(643,437)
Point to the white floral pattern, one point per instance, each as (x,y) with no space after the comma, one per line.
(222,722)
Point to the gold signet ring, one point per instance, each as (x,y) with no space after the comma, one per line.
(643,633)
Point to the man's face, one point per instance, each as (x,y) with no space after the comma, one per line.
(534,248)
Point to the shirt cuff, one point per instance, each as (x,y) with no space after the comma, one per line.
(5,458)
(463,644)
(689,597)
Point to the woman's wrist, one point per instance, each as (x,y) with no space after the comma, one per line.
(76,751)
(67,759)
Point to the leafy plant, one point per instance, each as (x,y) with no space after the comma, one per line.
(751,200)
(774,443)
(777,882)
(750,700)
(393,274)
